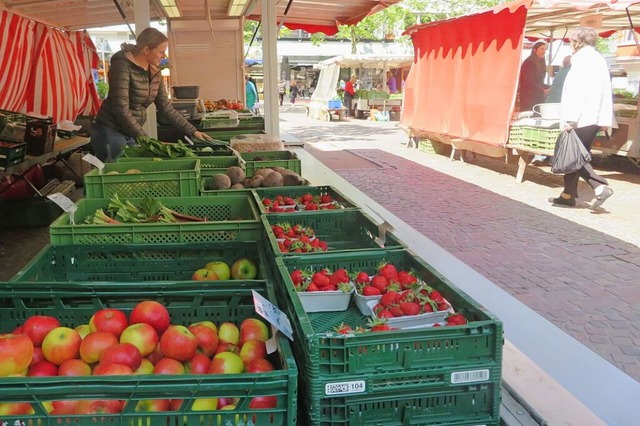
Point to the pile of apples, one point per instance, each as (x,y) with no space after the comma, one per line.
(241,269)
(145,342)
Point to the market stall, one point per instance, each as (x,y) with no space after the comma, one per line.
(462,89)
(372,93)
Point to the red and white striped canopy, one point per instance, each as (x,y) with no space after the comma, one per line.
(46,71)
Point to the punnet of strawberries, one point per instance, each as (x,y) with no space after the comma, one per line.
(297,239)
(305,202)
(322,280)
(280,204)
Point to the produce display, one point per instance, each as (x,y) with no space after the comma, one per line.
(309,202)
(148,147)
(241,269)
(297,239)
(235,178)
(222,104)
(149,210)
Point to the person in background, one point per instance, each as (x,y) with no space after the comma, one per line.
(586,106)
(251,93)
(293,92)
(349,94)
(532,89)
(391,83)
(555,91)
(282,90)
(135,83)
(256,87)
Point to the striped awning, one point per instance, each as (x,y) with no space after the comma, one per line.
(46,71)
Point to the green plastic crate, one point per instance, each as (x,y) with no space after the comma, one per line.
(73,304)
(231,218)
(443,406)
(134,263)
(298,191)
(227,135)
(343,230)
(210,166)
(516,135)
(287,159)
(328,356)
(215,192)
(541,138)
(167,178)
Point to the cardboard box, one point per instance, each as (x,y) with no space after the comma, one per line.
(39,137)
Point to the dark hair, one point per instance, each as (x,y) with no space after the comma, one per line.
(541,63)
(149,37)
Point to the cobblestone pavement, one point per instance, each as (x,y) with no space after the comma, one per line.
(577,269)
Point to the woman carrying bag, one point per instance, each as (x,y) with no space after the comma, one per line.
(585,108)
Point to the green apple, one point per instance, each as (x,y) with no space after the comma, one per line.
(220,268)
(244,269)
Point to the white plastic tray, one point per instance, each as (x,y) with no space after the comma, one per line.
(325,301)
(415,321)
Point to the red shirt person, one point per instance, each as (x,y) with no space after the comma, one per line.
(349,94)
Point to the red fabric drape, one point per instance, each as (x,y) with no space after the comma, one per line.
(464,78)
(43,70)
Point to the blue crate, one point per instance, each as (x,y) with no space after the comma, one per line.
(335,104)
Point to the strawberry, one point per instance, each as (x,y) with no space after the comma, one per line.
(396,311)
(389,298)
(388,271)
(304,239)
(277,229)
(362,278)
(306,198)
(410,308)
(435,295)
(312,287)
(343,329)
(266,202)
(323,246)
(380,324)
(456,319)
(288,201)
(320,279)
(379,307)
(442,306)
(330,287)
(290,233)
(298,229)
(325,199)
(297,276)
(311,206)
(330,207)
(380,283)
(406,280)
(342,275)
(368,290)
(385,313)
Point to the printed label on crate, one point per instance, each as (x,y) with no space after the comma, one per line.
(469,376)
(94,161)
(343,388)
(65,204)
(271,313)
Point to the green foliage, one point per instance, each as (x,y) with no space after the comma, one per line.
(103,89)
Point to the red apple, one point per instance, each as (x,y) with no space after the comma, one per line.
(227,347)
(146,367)
(168,366)
(16,353)
(98,406)
(176,404)
(122,353)
(198,364)
(110,320)
(178,343)
(220,268)
(229,332)
(153,405)
(74,367)
(67,406)
(259,365)
(155,356)
(61,344)
(204,274)
(38,356)
(112,370)
(261,402)
(142,335)
(152,313)
(225,402)
(226,363)
(43,369)
(17,330)
(94,344)
(252,349)
(38,326)
(207,338)
(15,408)
(205,404)
(244,269)
(253,329)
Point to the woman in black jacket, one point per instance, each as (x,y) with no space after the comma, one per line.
(532,72)
(135,83)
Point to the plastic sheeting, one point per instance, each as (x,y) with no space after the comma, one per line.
(325,90)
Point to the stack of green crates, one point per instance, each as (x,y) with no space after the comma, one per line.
(261,159)
(439,375)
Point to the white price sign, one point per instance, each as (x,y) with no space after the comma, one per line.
(343,388)
(271,313)
(94,161)
(64,203)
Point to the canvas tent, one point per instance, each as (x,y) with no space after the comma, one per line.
(462,86)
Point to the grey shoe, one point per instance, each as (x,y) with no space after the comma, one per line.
(602,193)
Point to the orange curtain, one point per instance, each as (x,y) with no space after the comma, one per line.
(464,78)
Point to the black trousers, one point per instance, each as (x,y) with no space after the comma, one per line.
(586,135)
(348,102)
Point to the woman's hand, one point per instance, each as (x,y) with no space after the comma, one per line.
(202,136)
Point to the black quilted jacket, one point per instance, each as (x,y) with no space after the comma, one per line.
(131,90)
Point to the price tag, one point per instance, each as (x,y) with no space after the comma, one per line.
(64,203)
(94,161)
(271,313)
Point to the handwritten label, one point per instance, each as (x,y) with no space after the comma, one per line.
(94,161)
(343,388)
(271,313)
(64,203)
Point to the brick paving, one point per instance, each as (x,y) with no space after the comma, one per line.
(579,270)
